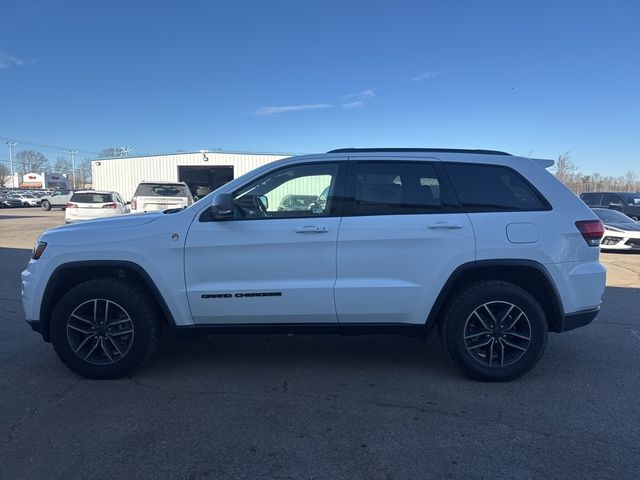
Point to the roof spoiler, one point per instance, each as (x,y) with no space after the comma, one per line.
(544,162)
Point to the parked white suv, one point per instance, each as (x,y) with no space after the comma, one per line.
(159,196)
(92,204)
(489,247)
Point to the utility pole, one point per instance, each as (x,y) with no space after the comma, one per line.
(73,166)
(11,145)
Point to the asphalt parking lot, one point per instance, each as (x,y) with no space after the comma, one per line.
(296,407)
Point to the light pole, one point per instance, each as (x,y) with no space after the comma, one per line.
(73,166)
(11,145)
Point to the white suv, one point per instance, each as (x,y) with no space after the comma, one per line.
(159,196)
(489,247)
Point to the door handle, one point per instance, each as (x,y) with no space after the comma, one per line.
(312,229)
(444,225)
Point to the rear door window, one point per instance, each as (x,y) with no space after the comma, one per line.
(493,188)
(394,188)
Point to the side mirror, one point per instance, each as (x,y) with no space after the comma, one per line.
(128,203)
(264,200)
(222,206)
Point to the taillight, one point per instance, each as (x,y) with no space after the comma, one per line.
(134,203)
(591,230)
(109,205)
(71,205)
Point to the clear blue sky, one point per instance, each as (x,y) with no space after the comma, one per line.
(540,77)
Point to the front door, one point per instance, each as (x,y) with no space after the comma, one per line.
(275,261)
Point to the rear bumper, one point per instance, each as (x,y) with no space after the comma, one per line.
(575,320)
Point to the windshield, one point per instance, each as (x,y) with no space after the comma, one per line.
(611,216)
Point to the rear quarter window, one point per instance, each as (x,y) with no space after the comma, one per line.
(590,198)
(493,188)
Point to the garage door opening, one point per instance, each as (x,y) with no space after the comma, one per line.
(204,180)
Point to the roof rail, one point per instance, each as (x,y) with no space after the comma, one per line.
(423,150)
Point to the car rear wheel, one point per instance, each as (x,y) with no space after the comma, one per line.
(46,206)
(495,331)
(105,328)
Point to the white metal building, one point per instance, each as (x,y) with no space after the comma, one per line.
(203,171)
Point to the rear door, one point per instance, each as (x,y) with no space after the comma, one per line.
(401,237)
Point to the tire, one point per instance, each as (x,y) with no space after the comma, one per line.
(45,205)
(488,353)
(124,342)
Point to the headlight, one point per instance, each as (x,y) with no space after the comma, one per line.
(38,249)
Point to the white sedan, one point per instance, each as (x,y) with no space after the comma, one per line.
(620,231)
(92,204)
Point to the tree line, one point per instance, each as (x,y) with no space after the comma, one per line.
(33,161)
(568,173)
(565,170)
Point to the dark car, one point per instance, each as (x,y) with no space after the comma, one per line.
(625,202)
(9,202)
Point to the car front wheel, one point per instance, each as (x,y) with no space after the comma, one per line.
(495,331)
(46,206)
(105,328)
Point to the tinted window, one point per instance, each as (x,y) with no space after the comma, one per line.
(492,188)
(162,190)
(91,198)
(633,199)
(609,198)
(289,192)
(591,198)
(395,188)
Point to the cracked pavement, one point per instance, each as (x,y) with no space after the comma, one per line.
(302,407)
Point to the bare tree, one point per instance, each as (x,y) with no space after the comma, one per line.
(62,165)
(114,152)
(83,174)
(31,161)
(566,170)
(631,180)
